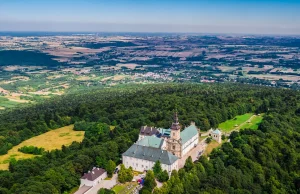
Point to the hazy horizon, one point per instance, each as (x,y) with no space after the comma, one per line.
(190,16)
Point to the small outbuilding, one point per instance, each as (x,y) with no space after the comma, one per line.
(93,177)
(217,135)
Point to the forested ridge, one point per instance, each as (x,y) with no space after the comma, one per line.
(262,161)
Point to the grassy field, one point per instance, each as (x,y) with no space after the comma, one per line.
(255,121)
(51,140)
(213,144)
(126,188)
(236,121)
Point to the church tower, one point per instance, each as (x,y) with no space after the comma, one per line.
(175,128)
(174,142)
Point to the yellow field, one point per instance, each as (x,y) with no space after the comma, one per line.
(51,140)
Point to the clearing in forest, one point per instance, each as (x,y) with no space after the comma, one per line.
(51,140)
(235,122)
(253,123)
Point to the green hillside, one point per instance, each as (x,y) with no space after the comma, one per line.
(265,160)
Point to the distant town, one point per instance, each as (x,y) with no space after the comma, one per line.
(35,66)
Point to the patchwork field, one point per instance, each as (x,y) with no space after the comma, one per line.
(51,140)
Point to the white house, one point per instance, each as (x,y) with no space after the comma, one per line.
(93,177)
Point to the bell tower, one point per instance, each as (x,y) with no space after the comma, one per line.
(174,142)
(175,128)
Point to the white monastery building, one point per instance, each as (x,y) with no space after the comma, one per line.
(165,145)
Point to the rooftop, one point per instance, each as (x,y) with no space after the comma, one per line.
(93,174)
(83,189)
(148,131)
(217,131)
(188,133)
(151,141)
(151,154)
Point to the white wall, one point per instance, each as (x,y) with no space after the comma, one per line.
(217,137)
(190,144)
(142,165)
(93,183)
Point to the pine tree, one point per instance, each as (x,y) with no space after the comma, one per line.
(157,168)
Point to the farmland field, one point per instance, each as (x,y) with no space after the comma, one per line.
(235,122)
(5,103)
(51,140)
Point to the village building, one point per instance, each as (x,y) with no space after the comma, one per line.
(165,145)
(93,177)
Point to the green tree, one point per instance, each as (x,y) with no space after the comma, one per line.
(125,175)
(149,182)
(163,176)
(177,186)
(188,164)
(105,191)
(208,140)
(157,168)
(110,167)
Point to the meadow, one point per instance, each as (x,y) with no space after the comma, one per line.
(49,141)
(235,122)
(255,121)
(246,121)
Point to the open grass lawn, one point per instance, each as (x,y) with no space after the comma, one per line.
(51,140)
(126,188)
(238,120)
(255,121)
(213,144)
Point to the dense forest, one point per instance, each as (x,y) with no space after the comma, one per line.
(35,58)
(263,161)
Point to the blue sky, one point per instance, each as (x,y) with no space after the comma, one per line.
(205,16)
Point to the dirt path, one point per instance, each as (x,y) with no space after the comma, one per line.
(248,121)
